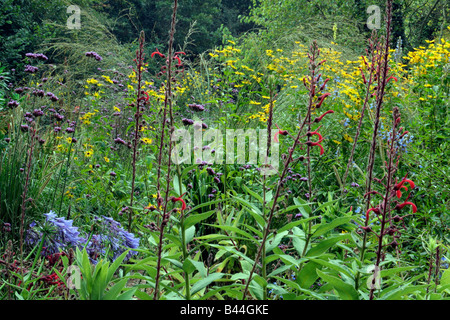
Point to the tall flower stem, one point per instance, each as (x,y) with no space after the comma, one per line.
(280,184)
(385,208)
(167,110)
(140,65)
(33,132)
(371,67)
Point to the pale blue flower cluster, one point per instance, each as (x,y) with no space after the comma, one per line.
(60,234)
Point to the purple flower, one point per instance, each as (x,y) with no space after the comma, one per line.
(57,129)
(187,122)
(13,104)
(112,174)
(196,107)
(94,55)
(31,69)
(38,112)
(210,171)
(120,141)
(24,127)
(354,184)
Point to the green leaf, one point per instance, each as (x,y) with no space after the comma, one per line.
(445,278)
(324,245)
(253,194)
(203,283)
(308,275)
(190,266)
(275,242)
(344,290)
(325,227)
(189,234)
(403,290)
(195,218)
(114,291)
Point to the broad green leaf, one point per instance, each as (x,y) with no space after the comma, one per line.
(203,283)
(115,290)
(308,275)
(324,245)
(344,290)
(325,227)
(194,218)
(275,242)
(445,278)
(403,290)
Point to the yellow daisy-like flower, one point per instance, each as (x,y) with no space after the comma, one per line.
(106,159)
(348,138)
(91,81)
(88,153)
(116,109)
(69,140)
(146,140)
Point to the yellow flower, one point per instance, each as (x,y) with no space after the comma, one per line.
(146,140)
(106,159)
(88,153)
(91,81)
(69,140)
(255,102)
(116,109)
(348,138)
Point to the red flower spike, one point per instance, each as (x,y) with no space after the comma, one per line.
(321,98)
(179,60)
(399,192)
(158,53)
(313,144)
(304,82)
(320,118)
(147,98)
(376,210)
(310,134)
(400,206)
(411,184)
(282,132)
(180,52)
(183,204)
(391,77)
(324,83)
(363,76)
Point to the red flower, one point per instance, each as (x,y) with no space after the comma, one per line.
(391,77)
(282,132)
(179,60)
(312,144)
(320,118)
(310,134)
(158,53)
(399,193)
(400,206)
(376,210)
(324,84)
(183,204)
(321,98)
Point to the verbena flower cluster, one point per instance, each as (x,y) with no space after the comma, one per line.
(60,234)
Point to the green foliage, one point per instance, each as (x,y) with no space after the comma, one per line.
(96,280)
